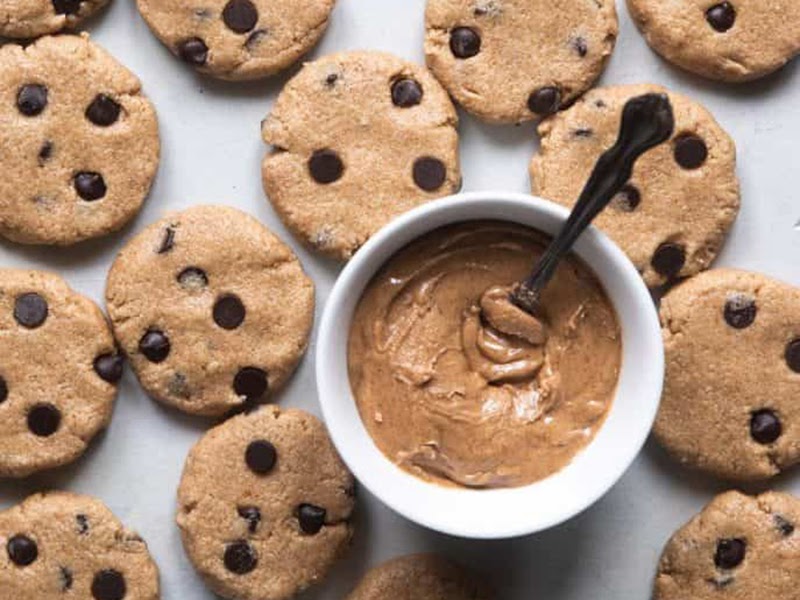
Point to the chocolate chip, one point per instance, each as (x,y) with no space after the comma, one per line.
(628,198)
(45,153)
(261,456)
(429,173)
(311,518)
(583,132)
(109,367)
(240,557)
(167,241)
(784,526)
(103,111)
(254,39)
(765,426)
(90,186)
(193,278)
(669,259)
(22,550)
(154,345)
(66,579)
(406,93)
(109,585)
(545,101)
(240,15)
(82,522)
(67,7)
(252,515)
(44,419)
(229,312)
(193,51)
(331,80)
(690,151)
(740,310)
(792,355)
(325,166)
(251,383)
(465,42)
(721,16)
(730,553)
(32,99)
(3,390)
(30,310)
(580,46)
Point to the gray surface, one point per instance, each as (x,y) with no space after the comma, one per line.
(211,154)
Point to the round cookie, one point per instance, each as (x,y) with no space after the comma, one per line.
(58,372)
(79,144)
(279,519)
(510,61)
(675,212)
(61,545)
(738,548)
(358,138)
(419,577)
(731,402)
(25,19)
(238,39)
(726,40)
(213,310)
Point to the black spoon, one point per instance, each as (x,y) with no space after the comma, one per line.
(647,121)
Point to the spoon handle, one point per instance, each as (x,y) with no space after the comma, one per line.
(647,121)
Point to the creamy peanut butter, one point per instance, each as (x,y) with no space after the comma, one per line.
(456,384)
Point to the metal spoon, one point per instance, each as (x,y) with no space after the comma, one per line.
(647,121)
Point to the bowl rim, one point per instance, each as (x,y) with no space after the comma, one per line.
(442,508)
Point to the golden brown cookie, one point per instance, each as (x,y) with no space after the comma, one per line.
(25,19)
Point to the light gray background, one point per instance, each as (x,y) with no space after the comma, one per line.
(211,154)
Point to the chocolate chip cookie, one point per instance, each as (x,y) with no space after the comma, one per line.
(213,310)
(58,372)
(358,138)
(676,210)
(238,39)
(515,60)
(61,545)
(79,144)
(731,402)
(25,19)
(738,548)
(419,577)
(727,40)
(278,519)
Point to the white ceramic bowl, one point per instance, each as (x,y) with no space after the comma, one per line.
(496,513)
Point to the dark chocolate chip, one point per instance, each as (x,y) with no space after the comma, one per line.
(103,111)
(740,310)
(240,16)
(406,92)
(32,99)
(580,46)
(252,515)
(730,553)
(721,16)
(628,198)
(669,259)
(583,132)
(792,355)
(30,310)
(261,456)
(67,7)
(193,51)
(765,426)
(465,42)
(325,166)
(240,557)
(154,345)
(331,80)
(545,101)
(429,173)
(251,383)
(193,278)
(82,522)
(44,419)
(109,584)
(22,550)
(229,312)
(168,241)
(311,518)
(90,186)
(66,579)
(109,367)
(784,526)
(45,153)
(690,151)
(3,390)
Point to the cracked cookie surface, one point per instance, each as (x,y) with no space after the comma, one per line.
(674,214)
(238,39)
(357,139)
(731,403)
(279,519)
(738,548)
(58,372)
(516,60)
(213,310)
(26,19)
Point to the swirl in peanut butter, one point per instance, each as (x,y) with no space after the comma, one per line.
(456,384)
